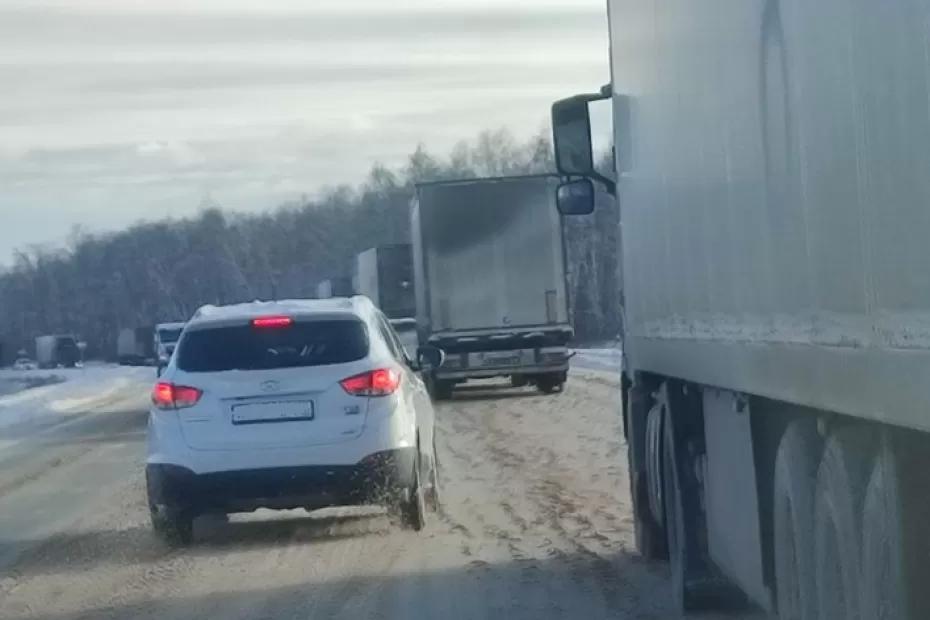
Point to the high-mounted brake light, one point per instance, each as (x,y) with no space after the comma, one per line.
(380,382)
(265,322)
(170,396)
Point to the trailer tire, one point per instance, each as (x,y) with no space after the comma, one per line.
(882,586)
(689,594)
(649,535)
(793,520)
(841,482)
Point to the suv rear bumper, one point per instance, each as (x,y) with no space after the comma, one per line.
(376,479)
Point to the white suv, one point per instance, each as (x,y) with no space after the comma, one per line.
(287,404)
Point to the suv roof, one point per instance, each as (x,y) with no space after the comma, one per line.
(358,305)
(172,325)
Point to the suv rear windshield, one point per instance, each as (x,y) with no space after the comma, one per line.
(243,347)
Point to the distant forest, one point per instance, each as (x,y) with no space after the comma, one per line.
(164,270)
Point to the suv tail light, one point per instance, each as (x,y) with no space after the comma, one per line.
(380,382)
(170,396)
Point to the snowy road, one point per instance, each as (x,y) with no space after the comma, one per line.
(535,524)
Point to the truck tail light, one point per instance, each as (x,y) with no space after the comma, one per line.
(170,396)
(380,382)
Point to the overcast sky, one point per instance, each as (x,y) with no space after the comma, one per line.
(119,110)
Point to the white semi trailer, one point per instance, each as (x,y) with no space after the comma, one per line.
(771,165)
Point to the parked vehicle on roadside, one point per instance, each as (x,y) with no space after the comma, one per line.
(53,351)
(24,363)
(490,280)
(287,404)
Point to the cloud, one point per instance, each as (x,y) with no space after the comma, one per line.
(119,112)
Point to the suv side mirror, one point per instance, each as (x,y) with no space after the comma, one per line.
(575,197)
(430,356)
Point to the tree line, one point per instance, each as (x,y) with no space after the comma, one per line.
(158,271)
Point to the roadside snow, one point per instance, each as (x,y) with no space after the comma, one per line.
(605,358)
(66,392)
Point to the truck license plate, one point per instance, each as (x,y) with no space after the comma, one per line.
(506,358)
(270,412)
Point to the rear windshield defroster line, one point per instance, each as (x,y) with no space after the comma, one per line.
(244,347)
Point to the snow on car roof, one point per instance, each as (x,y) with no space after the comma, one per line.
(288,307)
(173,325)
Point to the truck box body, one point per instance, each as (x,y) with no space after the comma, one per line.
(384,274)
(57,350)
(775,218)
(334,287)
(490,275)
(135,346)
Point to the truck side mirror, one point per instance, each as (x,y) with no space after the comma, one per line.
(571,134)
(430,356)
(575,197)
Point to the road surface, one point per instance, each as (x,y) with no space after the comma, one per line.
(535,524)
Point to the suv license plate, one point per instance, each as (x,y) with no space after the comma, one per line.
(267,413)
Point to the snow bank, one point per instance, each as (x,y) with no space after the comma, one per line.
(609,358)
(65,392)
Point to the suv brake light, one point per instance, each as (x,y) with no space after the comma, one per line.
(380,382)
(170,396)
(272,322)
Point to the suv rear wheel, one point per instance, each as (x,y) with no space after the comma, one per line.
(174,526)
(412,507)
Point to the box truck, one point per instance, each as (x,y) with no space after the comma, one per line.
(134,346)
(53,351)
(489,273)
(384,274)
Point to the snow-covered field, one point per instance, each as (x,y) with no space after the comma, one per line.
(39,398)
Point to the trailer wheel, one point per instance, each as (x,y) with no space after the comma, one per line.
(841,482)
(649,536)
(882,584)
(793,507)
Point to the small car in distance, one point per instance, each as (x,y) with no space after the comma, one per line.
(290,404)
(24,363)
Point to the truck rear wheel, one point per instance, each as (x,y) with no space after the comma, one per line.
(442,389)
(793,507)
(551,383)
(841,482)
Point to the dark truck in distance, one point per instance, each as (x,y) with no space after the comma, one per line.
(384,274)
(53,351)
(490,284)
